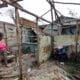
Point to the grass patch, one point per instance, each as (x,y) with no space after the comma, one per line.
(71,69)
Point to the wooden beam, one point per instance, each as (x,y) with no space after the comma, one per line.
(16,5)
(3,4)
(76,40)
(68,3)
(27,23)
(19,43)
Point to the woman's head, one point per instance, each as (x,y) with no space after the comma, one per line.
(1,36)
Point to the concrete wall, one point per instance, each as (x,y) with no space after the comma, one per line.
(63,40)
(11,35)
(44,48)
(67,40)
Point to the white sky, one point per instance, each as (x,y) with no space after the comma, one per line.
(39,7)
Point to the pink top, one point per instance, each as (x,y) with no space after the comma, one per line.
(2,45)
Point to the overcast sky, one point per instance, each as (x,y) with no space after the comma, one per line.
(39,7)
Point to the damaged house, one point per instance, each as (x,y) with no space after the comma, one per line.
(34,41)
(66,32)
(29,36)
(31,41)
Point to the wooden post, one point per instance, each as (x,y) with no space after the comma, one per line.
(19,43)
(5,34)
(21,32)
(52,37)
(76,40)
(37,40)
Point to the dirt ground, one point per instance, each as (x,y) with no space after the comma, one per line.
(47,71)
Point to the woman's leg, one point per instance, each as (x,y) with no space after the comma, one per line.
(5,58)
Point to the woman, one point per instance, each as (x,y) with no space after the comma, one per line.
(3,49)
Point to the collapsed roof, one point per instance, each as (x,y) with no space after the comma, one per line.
(62,21)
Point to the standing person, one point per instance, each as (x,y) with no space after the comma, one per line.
(3,48)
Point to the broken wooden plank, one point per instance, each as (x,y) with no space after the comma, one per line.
(10,57)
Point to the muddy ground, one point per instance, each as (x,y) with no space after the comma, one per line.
(47,71)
